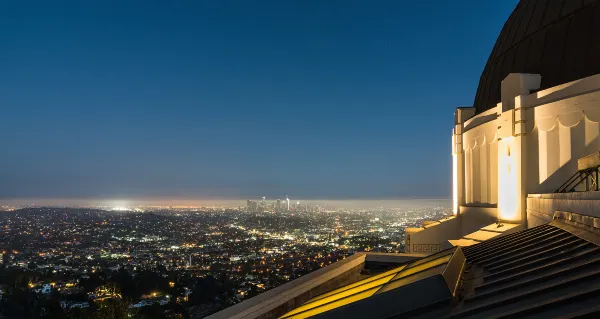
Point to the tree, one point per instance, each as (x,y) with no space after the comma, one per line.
(111,309)
(52,309)
(161,269)
(127,284)
(149,281)
(79,313)
(91,283)
(154,311)
(206,290)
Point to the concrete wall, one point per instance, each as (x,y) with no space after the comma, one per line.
(541,207)
(474,217)
(430,239)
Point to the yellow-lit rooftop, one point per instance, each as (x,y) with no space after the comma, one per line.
(500,228)
(371,286)
(481,235)
(485,233)
(463,242)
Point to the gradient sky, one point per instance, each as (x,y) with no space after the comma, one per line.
(316,99)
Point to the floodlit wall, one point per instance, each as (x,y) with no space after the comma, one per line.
(528,144)
(475,217)
(566,129)
(480,147)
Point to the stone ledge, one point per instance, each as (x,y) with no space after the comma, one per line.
(568,196)
(585,222)
(547,217)
(582,226)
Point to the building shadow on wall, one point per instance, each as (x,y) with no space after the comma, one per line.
(564,172)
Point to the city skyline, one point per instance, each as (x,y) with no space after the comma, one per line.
(206,100)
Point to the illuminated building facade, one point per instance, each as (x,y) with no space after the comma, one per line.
(536,111)
(524,240)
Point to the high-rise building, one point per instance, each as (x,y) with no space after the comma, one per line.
(251,206)
(524,240)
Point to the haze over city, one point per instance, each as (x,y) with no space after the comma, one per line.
(132,203)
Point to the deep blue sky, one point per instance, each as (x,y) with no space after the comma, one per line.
(333,99)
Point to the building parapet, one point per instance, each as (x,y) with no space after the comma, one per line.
(541,207)
(430,238)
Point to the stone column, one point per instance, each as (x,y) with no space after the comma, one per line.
(458,157)
(512,147)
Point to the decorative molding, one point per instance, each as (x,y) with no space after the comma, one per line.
(568,112)
(426,248)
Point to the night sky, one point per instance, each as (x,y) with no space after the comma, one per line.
(205,99)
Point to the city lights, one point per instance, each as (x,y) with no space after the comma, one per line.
(256,248)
